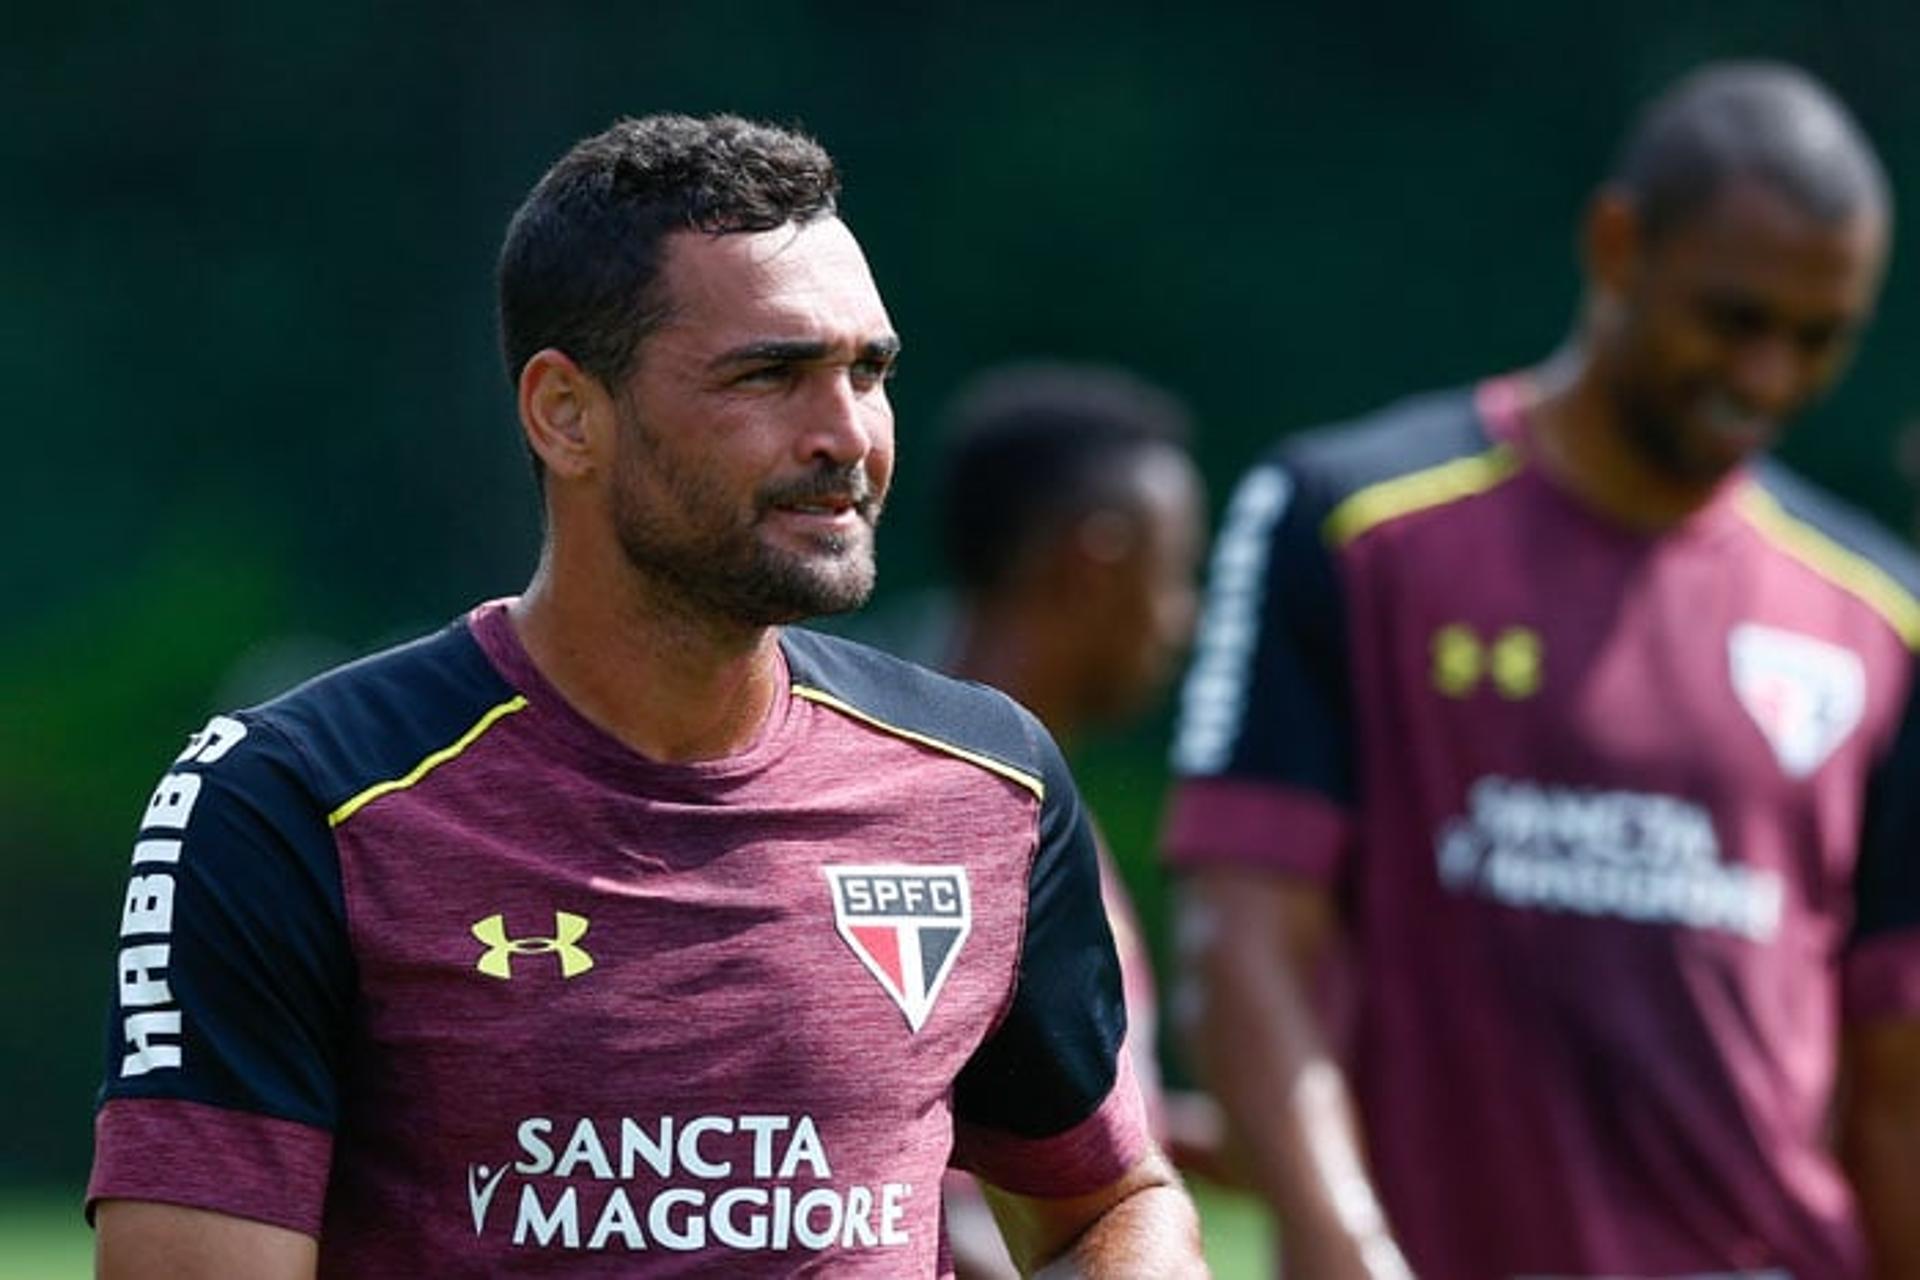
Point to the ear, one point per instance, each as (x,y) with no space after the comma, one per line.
(563,409)
(1611,242)
(1084,561)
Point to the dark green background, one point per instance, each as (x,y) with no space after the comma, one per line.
(248,344)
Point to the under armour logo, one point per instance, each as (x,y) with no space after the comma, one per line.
(1511,662)
(568,929)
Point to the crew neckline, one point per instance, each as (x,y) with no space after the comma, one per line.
(491,625)
(1501,402)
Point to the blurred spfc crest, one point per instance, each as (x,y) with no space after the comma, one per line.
(907,924)
(1805,694)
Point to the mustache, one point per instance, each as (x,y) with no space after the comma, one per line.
(826,484)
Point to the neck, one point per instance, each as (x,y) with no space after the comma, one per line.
(1580,439)
(642,665)
(1002,647)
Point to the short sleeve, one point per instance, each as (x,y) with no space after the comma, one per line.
(1262,753)
(1048,1105)
(231,990)
(1882,966)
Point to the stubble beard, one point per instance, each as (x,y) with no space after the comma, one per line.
(694,541)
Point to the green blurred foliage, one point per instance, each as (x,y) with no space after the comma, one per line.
(245,297)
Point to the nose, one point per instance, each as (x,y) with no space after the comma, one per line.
(1179,611)
(1769,374)
(843,422)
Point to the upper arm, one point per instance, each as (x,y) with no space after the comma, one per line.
(1047,1105)
(1882,964)
(1880,1138)
(139,1238)
(1263,753)
(233,986)
(1266,697)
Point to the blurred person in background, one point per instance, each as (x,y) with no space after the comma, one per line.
(1073,519)
(622,928)
(1589,732)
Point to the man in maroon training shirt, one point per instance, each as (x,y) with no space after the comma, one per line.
(619,929)
(1589,733)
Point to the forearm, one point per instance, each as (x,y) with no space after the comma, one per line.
(1140,1225)
(1886,1177)
(1152,1233)
(137,1239)
(1259,1046)
(1290,1111)
(1880,1140)
(1882,1153)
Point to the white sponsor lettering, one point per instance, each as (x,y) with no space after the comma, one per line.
(669,1148)
(1213,700)
(543,1227)
(144,1032)
(149,851)
(617,1218)
(171,803)
(212,742)
(143,976)
(149,906)
(584,1148)
(691,1234)
(1628,855)
(581,1196)
(153,1033)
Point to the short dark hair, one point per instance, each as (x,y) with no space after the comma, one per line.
(1764,121)
(578,271)
(1029,448)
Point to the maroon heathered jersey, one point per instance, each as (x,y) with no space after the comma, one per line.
(419,961)
(1625,826)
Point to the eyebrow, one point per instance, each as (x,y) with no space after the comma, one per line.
(800,351)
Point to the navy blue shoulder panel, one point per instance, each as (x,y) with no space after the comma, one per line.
(375,719)
(1329,464)
(905,695)
(1267,699)
(235,980)
(1845,524)
(1054,1057)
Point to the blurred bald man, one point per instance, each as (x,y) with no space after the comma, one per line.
(1592,732)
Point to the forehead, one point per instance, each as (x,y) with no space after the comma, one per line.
(794,282)
(1753,238)
(1162,488)
(1168,484)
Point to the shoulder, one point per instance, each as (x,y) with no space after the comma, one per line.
(1343,479)
(379,717)
(1838,542)
(963,719)
(1404,438)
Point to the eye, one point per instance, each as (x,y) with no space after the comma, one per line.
(873,370)
(764,375)
(1736,319)
(1819,339)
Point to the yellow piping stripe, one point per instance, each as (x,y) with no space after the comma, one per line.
(1434,487)
(1006,771)
(1846,569)
(428,765)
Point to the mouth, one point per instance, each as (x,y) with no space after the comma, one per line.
(831,502)
(1736,426)
(829,508)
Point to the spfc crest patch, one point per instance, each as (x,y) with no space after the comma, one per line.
(906,924)
(1805,694)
